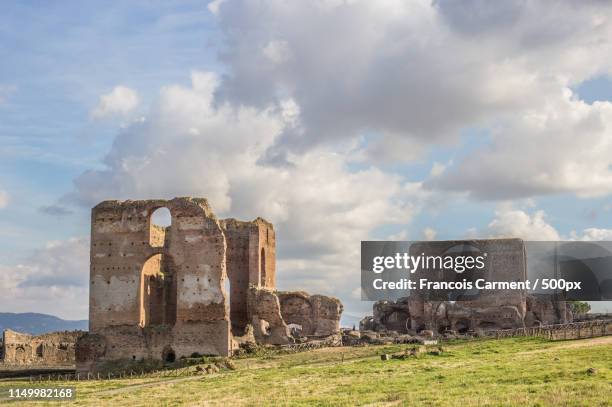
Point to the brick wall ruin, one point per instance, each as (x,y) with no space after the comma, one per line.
(487,310)
(251,261)
(316,315)
(52,349)
(169,292)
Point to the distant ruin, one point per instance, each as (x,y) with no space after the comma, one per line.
(195,287)
(488,310)
(51,349)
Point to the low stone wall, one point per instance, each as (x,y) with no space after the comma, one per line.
(574,330)
(273,313)
(52,349)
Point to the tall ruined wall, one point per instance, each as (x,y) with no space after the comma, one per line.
(251,260)
(267,253)
(52,349)
(160,292)
(193,268)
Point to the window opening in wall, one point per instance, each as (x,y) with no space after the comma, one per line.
(262,267)
(160,222)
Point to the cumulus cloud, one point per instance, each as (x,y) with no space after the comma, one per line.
(4,199)
(592,234)
(53,280)
(512,222)
(563,147)
(406,70)
(119,102)
(321,207)
(429,233)
(214,6)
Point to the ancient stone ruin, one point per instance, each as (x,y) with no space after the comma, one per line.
(52,349)
(488,310)
(199,286)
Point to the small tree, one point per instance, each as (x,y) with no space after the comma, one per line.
(579,307)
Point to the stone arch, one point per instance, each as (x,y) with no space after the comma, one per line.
(20,354)
(297,309)
(462,325)
(157,292)
(168,355)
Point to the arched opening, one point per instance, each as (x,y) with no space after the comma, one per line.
(168,355)
(157,292)
(160,222)
(462,326)
(297,310)
(20,354)
(262,268)
(39,350)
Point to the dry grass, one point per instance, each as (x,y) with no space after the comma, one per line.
(519,371)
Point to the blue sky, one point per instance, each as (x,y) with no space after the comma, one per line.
(394,123)
(58,59)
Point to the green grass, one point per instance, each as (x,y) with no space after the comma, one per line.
(516,371)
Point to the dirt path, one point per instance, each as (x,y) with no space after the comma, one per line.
(576,343)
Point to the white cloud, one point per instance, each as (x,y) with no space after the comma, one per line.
(277,51)
(510,222)
(4,199)
(592,234)
(214,6)
(52,280)
(409,75)
(120,101)
(319,206)
(419,70)
(438,169)
(563,147)
(429,233)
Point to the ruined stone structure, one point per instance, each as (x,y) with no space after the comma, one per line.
(189,288)
(315,315)
(486,310)
(52,349)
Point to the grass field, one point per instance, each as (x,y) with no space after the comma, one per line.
(508,372)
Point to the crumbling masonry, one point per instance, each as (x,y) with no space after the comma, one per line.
(163,293)
(52,349)
(488,310)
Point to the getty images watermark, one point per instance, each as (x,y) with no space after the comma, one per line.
(464,270)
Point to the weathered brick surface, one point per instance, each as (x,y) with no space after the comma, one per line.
(160,292)
(52,349)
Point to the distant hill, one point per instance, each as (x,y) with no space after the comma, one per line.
(37,324)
